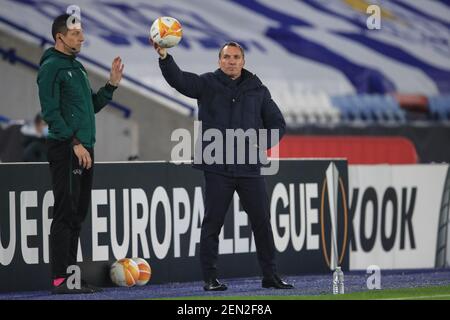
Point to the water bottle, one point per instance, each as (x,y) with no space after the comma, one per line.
(338,281)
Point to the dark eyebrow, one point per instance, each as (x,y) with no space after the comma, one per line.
(229,55)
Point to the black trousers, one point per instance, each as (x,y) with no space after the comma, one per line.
(72,187)
(219,190)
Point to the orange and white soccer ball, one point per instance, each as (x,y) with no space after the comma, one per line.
(166,32)
(124,272)
(145,272)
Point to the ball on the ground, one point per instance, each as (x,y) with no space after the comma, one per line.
(145,271)
(166,32)
(124,272)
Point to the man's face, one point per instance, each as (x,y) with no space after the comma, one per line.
(231,61)
(74,39)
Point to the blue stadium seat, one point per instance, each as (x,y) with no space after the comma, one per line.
(340,103)
(366,108)
(4,119)
(348,105)
(375,112)
(369,108)
(439,107)
(398,113)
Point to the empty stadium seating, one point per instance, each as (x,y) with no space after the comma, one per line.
(319,108)
(369,108)
(439,107)
(311,108)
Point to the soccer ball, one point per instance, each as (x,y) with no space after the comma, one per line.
(145,272)
(166,32)
(124,272)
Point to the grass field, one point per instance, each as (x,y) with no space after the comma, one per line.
(421,293)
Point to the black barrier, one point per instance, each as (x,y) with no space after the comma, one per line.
(154,211)
(427,137)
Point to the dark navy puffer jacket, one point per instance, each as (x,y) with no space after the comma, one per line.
(228,104)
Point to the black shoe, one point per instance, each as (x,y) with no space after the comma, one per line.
(275,282)
(214,285)
(64,289)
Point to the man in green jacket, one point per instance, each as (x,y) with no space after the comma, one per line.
(69,106)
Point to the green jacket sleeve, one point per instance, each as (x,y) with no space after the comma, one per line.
(49,96)
(102,97)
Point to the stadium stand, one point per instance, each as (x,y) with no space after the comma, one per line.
(326,70)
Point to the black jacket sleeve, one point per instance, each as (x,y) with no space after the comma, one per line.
(272,119)
(187,83)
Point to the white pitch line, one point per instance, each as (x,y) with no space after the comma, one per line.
(419,297)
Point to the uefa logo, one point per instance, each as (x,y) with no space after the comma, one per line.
(333,218)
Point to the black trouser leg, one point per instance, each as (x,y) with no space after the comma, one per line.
(255,201)
(82,187)
(71,189)
(219,191)
(59,156)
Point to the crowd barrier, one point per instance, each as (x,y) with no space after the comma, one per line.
(391,216)
(153,210)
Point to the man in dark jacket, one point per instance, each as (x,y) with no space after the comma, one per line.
(231,98)
(69,106)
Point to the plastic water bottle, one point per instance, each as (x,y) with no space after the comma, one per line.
(338,281)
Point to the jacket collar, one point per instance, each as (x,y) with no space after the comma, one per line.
(249,80)
(52,52)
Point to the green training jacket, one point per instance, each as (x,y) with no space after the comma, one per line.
(67,101)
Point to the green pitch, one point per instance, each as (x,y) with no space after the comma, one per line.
(422,293)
